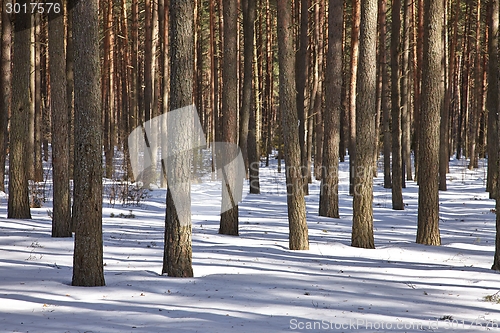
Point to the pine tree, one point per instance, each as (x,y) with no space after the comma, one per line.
(87,196)
(298,238)
(362,220)
(177,259)
(432,102)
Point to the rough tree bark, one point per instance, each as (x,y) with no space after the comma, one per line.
(298,238)
(61,219)
(397,166)
(432,102)
(229,124)
(18,203)
(177,259)
(329,199)
(87,196)
(362,220)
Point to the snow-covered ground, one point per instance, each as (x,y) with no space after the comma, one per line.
(253,283)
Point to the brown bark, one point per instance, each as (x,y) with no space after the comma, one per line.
(255,115)
(61,220)
(229,218)
(298,237)
(87,195)
(37,103)
(362,219)
(18,203)
(397,167)
(492,100)
(432,102)
(329,199)
(249,11)
(384,98)
(356,5)
(177,259)
(444,153)
(5,84)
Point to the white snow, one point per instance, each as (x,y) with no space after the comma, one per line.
(253,283)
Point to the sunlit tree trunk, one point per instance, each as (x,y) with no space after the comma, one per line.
(177,259)
(362,219)
(298,232)
(432,102)
(229,124)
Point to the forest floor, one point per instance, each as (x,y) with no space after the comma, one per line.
(253,283)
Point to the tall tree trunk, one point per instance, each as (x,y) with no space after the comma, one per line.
(384,98)
(432,102)
(61,220)
(30,138)
(249,11)
(70,87)
(229,217)
(37,101)
(397,167)
(150,159)
(444,154)
(87,195)
(318,100)
(18,203)
(5,84)
(405,97)
(107,87)
(298,238)
(356,5)
(255,113)
(329,198)
(492,100)
(492,105)
(478,93)
(362,219)
(177,259)
(301,82)
(418,84)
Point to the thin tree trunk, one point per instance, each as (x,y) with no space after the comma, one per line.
(405,97)
(37,102)
(300,82)
(249,14)
(384,98)
(356,5)
(255,114)
(70,87)
(444,154)
(397,167)
(5,84)
(492,105)
(492,100)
